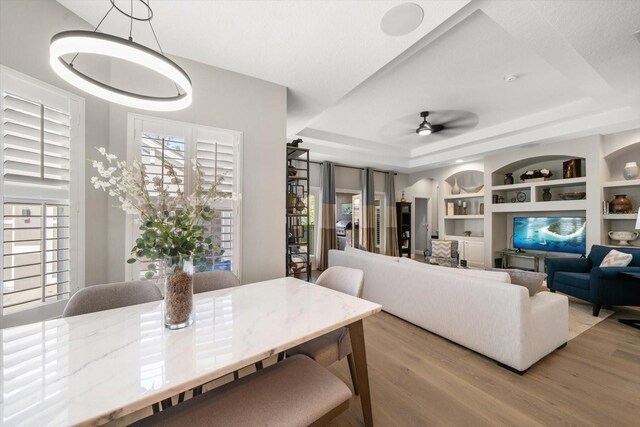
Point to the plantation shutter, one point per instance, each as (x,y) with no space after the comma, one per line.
(36,195)
(36,156)
(217,154)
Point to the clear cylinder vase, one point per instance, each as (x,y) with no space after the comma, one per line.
(178,292)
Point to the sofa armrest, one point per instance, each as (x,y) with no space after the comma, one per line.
(613,273)
(575,265)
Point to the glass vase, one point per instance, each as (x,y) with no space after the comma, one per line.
(178,292)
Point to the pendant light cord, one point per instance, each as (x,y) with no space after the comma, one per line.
(160,48)
(131,25)
(95,30)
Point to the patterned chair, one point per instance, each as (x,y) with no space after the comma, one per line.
(442,252)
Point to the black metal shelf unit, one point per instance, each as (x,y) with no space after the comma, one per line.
(297,227)
(403,214)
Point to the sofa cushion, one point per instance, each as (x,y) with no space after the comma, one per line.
(616,259)
(498,276)
(378,257)
(598,253)
(576,280)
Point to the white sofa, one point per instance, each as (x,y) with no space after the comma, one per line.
(480,310)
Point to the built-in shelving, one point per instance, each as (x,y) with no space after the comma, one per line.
(558,205)
(552,183)
(464,217)
(465,196)
(621,184)
(627,216)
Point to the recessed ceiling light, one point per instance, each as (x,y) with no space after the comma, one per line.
(510,78)
(402,19)
(459,161)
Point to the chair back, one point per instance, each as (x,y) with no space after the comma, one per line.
(598,253)
(214,280)
(343,279)
(112,295)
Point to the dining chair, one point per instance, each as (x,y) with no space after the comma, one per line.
(214,280)
(111,295)
(206,282)
(335,345)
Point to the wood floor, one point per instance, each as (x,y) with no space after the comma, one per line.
(420,379)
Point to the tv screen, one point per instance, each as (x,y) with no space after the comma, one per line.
(550,234)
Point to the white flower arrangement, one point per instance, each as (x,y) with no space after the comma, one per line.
(172,225)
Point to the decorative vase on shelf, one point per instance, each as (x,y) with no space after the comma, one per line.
(456,188)
(178,292)
(624,237)
(546,194)
(299,204)
(620,204)
(508,178)
(630,170)
(291,203)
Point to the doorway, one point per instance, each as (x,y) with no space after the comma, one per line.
(421,225)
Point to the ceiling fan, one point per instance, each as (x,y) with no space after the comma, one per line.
(427,128)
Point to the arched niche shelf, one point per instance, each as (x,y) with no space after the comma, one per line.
(616,160)
(470,181)
(552,162)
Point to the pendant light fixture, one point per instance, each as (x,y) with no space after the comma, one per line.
(92,42)
(425,126)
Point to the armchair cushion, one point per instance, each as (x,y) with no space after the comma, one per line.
(572,265)
(576,280)
(441,248)
(616,259)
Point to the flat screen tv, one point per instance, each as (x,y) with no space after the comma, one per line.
(551,234)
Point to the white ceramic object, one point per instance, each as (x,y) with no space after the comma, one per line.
(472,190)
(624,236)
(630,170)
(456,188)
(90,369)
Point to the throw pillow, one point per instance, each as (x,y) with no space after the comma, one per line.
(441,248)
(529,279)
(616,259)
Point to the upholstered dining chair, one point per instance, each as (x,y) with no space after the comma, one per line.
(206,282)
(214,280)
(112,295)
(335,345)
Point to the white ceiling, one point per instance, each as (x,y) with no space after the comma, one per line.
(355,93)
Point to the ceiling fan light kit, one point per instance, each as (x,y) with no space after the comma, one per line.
(92,42)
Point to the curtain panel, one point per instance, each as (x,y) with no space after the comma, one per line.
(392,222)
(328,239)
(367,228)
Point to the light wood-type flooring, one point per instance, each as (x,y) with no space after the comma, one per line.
(420,379)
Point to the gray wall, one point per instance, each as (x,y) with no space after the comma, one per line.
(221,98)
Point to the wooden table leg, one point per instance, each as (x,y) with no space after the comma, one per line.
(356,332)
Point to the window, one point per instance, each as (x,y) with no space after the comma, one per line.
(41,179)
(218,151)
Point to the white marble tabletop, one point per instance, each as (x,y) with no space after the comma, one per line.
(89,369)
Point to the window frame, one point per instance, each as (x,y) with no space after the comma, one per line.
(190,131)
(10,77)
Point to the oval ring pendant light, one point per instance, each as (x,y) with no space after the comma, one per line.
(93,42)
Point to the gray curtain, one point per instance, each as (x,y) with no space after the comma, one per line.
(328,239)
(392,222)
(367,228)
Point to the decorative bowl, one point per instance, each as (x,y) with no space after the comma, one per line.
(623,236)
(576,195)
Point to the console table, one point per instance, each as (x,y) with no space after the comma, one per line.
(507,254)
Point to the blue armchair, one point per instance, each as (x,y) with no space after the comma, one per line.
(584,279)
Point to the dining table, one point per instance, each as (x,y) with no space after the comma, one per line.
(94,368)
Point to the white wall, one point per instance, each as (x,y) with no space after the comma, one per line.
(221,99)
(231,101)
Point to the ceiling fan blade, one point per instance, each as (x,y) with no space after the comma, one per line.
(437,128)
